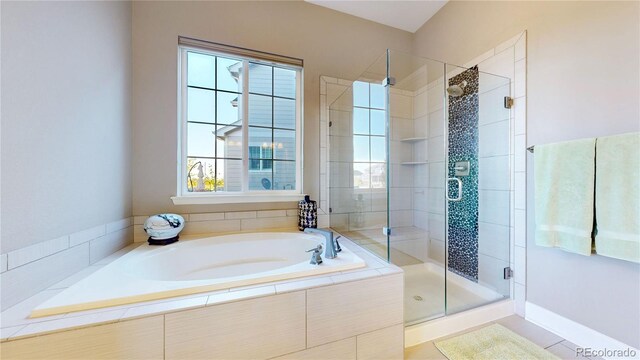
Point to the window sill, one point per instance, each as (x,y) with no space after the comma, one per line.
(234,199)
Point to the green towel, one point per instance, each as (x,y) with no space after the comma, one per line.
(564,185)
(618,196)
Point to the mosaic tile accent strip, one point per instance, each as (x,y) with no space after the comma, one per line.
(463,146)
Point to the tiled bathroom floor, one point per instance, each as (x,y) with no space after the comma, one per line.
(550,341)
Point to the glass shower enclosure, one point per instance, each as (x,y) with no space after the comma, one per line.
(420,175)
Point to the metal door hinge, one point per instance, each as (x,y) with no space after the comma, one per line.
(508,102)
(330,123)
(330,210)
(507,273)
(389,81)
(386,231)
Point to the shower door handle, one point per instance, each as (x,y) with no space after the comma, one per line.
(459,197)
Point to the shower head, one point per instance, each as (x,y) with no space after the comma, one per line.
(457,90)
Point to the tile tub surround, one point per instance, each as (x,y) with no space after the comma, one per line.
(218,223)
(28,270)
(314,315)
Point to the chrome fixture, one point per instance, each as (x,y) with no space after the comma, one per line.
(457,90)
(459,197)
(462,168)
(330,247)
(316,259)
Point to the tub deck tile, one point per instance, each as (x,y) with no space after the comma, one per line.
(164,307)
(241,295)
(46,327)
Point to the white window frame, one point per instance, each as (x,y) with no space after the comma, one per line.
(184,197)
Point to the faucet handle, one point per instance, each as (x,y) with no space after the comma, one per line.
(338,248)
(316,249)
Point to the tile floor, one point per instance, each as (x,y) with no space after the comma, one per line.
(550,341)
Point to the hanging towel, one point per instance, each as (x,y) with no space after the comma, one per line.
(564,186)
(618,196)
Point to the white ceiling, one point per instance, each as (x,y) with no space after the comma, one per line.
(404,15)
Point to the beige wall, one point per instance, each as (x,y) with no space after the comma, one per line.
(330,43)
(583,81)
(66,130)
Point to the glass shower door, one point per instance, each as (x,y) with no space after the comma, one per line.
(478,188)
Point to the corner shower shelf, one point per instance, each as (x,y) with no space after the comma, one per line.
(414,163)
(414,139)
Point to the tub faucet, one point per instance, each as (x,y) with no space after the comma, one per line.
(330,247)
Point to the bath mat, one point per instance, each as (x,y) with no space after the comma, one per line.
(493,342)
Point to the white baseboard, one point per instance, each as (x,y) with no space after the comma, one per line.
(570,330)
(433,329)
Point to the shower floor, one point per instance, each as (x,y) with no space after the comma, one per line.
(424,289)
(424,293)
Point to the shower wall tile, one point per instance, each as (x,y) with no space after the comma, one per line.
(491,107)
(401,106)
(436,149)
(491,273)
(520,78)
(521,265)
(520,298)
(420,105)
(493,240)
(399,218)
(436,123)
(399,198)
(402,175)
(436,175)
(435,99)
(493,139)
(520,228)
(520,149)
(436,250)
(494,207)
(493,173)
(436,226)
(213,226)
(520,191)
(500,64)
(401,128)
(519,110)
(421,221)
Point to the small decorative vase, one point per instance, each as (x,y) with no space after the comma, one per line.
(163,229)
(307,214)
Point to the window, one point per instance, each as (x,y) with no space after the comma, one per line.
(240,124)
(369,144)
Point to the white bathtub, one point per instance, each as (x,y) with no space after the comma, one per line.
(194,266)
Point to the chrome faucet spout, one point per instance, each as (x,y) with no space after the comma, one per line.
(330,247)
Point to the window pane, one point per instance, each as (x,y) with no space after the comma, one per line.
(201,105)
(229,74)
(377,149)
(260,79)
(377,96)
(284,144)
(228,175)
(260,110)
(260,137)
(377,122)
(284,113)
(284,83)
(200,174)
(361,179)
(201,70)
(361,94)
(360,148)
(229,140)
(201,140)
(360,121)
(284,175)
(229,108)
(378,175)
(260,180)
